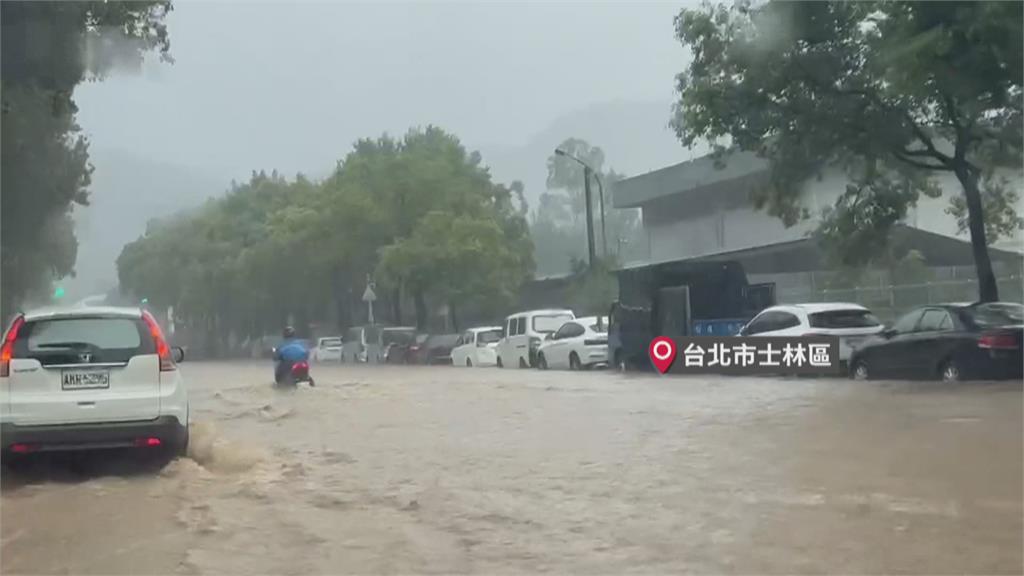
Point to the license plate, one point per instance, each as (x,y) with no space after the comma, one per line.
(85,380)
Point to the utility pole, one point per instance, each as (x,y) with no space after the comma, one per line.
(590,214)
(604,234)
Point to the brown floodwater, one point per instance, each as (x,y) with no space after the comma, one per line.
(450,470)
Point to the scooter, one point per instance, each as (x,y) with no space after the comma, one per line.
(299,372)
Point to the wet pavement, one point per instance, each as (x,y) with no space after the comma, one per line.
(443,470)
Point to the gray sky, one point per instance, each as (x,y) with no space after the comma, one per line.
(291,86)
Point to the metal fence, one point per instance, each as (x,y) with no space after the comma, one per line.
(889,301)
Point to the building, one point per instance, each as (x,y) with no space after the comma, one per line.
(714,260)
(701,210)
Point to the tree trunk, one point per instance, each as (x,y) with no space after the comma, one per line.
(421,309)
(988,290)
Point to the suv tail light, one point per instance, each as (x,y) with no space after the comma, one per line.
(997,341)
(162,349)
(7,351)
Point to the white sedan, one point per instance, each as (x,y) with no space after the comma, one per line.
(477,347)
(578,344)
(327,350)
(852,323)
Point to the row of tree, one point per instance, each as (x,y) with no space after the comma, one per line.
(419,215)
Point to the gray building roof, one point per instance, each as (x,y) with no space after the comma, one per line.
(684,177)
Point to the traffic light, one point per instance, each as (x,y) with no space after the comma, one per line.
(58,293)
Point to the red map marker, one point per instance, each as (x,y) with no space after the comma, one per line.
(663,353)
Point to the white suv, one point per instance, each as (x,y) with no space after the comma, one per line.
(90,377)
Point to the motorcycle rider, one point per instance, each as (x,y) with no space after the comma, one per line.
(290,351)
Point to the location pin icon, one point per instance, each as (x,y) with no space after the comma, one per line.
(663,353)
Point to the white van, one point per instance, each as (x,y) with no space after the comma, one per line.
(523,333)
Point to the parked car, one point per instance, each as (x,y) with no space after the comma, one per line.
(327,349)
(90,378)
(578,344)
(523,334)
(361,344)
(395,337)
(437,349)
(405,351)
(477,347)
(852,323)
(948,341)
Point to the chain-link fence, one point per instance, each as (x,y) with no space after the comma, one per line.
(889,301)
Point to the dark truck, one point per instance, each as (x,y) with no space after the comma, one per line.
(680,299)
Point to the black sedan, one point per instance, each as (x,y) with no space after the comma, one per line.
(947,341)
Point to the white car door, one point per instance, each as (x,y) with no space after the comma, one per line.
(463,350)
(559,347)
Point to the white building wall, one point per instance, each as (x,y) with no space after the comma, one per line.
(744,227)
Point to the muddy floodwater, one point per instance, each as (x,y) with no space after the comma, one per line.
(446,470)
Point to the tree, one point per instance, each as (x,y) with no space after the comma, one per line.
(558,224)
(893,93)
(47,49)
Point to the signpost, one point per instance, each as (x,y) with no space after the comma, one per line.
(369,297)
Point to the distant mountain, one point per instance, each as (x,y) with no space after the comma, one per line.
(126,192)
(634,135)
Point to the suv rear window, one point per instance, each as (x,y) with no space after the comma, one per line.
(843,319)
(70,340)
(330,342)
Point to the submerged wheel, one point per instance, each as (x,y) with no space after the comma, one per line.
(542,362)
(522,363)
(860,371)
(574,362)
(500,365)
(950,372)
(469,363)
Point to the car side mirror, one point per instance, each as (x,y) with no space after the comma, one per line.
(178,354)
(889,332)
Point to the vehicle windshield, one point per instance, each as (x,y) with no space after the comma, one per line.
(838,319)
(488,337)
(997,314)
(64,341)
(548,323)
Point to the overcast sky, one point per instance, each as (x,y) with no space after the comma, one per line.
(292,86)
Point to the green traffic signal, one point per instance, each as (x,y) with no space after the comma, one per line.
(59,292)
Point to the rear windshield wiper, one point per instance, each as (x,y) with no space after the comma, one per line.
(64,345)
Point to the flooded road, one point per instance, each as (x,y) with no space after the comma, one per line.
(443,470)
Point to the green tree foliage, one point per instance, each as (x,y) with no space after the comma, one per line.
(419,213)
(558,223)
(892,92)
(48,48)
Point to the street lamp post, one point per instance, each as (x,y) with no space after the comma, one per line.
(587,171)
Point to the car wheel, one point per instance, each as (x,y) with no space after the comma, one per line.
(522,363)
(860,371)
(574,362)
(950,372)
(469,363)
(500,365)
(542,362)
